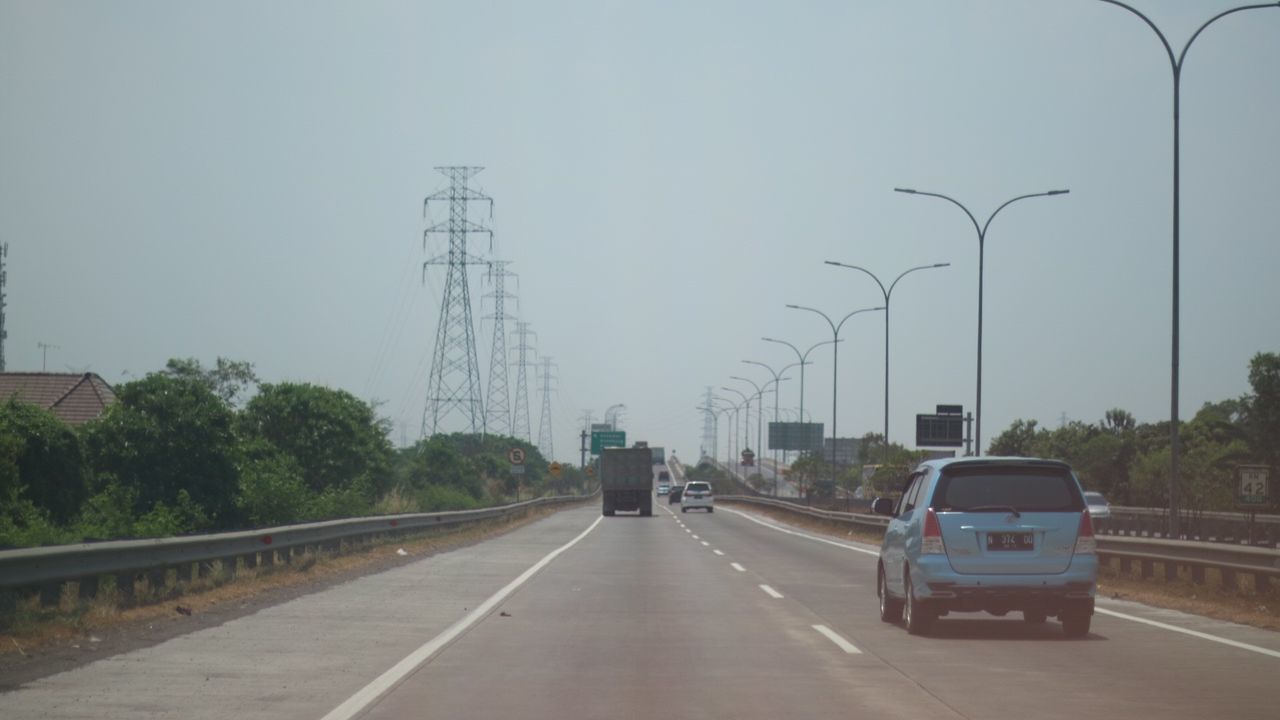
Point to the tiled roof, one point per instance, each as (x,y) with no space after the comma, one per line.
(74,398)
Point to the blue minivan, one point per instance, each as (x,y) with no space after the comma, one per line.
(991,534)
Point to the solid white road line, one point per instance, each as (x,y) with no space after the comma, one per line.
(771,592)
(806,536)
(737,567)
(840,642)
(1192,633)
(369,694)
(718,552)
(1112,613)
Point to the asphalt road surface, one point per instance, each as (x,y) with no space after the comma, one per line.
(695,615)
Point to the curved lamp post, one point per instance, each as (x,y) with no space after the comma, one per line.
(803,358)
(887,295)
(982,236)
(1176,64)
(746,431)
(835,366)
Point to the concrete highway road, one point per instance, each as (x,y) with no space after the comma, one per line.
(723,615)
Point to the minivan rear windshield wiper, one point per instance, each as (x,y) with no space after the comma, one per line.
(995,508)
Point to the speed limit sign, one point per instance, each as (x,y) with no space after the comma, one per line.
(1253,485)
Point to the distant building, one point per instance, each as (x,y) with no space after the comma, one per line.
(74,398)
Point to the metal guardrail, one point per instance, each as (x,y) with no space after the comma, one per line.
(1261,563)
(47,569)
(1217,527)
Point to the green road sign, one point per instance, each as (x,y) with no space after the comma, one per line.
(601,439)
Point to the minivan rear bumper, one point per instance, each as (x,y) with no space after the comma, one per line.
(943,589)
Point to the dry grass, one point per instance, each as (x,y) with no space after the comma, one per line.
(1240,604)
(75,619)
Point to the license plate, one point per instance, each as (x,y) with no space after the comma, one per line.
(1010,541)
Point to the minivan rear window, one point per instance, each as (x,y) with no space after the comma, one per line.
(995,489)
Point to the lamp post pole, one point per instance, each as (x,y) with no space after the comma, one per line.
(803,357)
(887,295)
(759,416)
(746,436)
(835,366)
(982,236)
(777,393)
(1176,64)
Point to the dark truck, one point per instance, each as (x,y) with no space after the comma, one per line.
(626,479)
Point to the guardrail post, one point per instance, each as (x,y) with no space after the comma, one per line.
(1229,579)
(50,594)
(228,568)
(124,587)
(250,561)
(87,587)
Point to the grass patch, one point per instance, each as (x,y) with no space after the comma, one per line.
(1239,604)
(74,619)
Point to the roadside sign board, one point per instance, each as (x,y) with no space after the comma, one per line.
(591,471)
(516,456)
(555,469)
(605,439)
(517,469)
(939,430)
(1252,486)
(805,437)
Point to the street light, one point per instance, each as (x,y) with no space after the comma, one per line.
(759,418)
(804,360)
(776,394)
(726,408)
(746,434)
(982,235)
(835,366)
(1176,65)
(887,294)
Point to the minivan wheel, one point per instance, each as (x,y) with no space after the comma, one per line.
(919,618)
(1075,623)
(890,608)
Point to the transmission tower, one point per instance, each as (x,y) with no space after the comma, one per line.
(454,383)
(4,279)
(497,413)
(520,426)
(544,427)
(709,434)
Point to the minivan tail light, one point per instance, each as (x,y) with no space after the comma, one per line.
(1085,542)
(931,543)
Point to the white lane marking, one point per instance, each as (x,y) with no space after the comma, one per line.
(369,694)
(1112,613)
(688,530)
(840,642)
(1192,633)
(706,544)
(695,537)
(718,552)
(806,536)
(737,567)
(771,592)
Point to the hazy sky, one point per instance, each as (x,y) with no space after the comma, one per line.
(246,179)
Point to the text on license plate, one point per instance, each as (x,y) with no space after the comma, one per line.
(1010,541)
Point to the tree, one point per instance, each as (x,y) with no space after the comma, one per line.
(228,379)
(164,436)
(1262,408)
(48,459)
(1016,441)
(334,438)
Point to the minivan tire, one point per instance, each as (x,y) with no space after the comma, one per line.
(1075,623)
(919,617)
(890,607)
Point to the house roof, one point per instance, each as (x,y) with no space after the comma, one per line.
(73,397)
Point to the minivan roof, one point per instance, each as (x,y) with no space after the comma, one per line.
(993,460)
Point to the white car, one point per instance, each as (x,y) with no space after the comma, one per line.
(1098,505)
(697,495)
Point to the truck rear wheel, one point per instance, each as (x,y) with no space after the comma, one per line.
(646,508)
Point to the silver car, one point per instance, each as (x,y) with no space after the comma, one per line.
(1099,508)
(988,534)
(697,495)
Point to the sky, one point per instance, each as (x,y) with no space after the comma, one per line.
(246,180)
